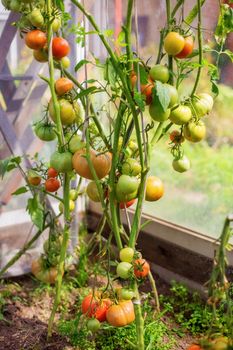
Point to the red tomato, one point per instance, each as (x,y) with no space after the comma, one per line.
(52,172)
(141,268)
(52,184)
(60,47)
(127,204)
(194,347)
(146,90)
(93,306)
(188,47)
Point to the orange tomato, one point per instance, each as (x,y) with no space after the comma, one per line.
(60,47)
(52,172)
(146,90)
(36,39)
(122,314)
(141,268)
(101,163)
(52,184)
(63,85)
(94,306)
(128,204)
(45,275)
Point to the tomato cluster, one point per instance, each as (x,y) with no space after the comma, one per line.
(214,343)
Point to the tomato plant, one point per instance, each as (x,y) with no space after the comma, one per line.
(63,85)
(123,270)
(127,254)
(187,49)
(36,39)
(52,172)
(52,184)
(154,189)
(46,275)
(60,48)
(174,43)
(94,306)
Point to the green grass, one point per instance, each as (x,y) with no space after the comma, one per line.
(201,198)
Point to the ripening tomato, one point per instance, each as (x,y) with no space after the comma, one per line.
(160,73)
(94,306)
(208,100)
(75,143)
(52,184)
(92,192)
(62,162)
(33,178)
(101,163)
(131,167)
(154,189)
(63,85)
(146,90)
(36,39)
(56,24)
(133,79)
(52,172)
(45,131)
(174,43)
(125,294)
(48,275)
(128,204)
(176,137)
(121,314)
(141,268)
(73,194)
(123,270)
(40,55)
(188,47)
(181,115)
(126,254)
(71,206)
(68,111)
(60,47)
(93,325)
(157,113)
(199,107)
(195,131)
(181,165)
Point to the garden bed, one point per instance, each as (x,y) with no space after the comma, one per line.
(26,306)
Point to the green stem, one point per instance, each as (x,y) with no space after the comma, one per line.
(170,58)
(155,291)
(177,6)
(157,134)
(64,246)
(200,44)
(139,318)
(128,32)
(52,79)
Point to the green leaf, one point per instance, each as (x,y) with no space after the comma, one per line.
(8,164)
(3,166)
(108,32)
(20,191)
(229,54)
(192,14)
(110,73)
(225,24)
(36,211)
(162,94)
(86,92)
(80,64)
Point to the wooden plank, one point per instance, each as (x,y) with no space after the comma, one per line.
(7,36)
(7,88)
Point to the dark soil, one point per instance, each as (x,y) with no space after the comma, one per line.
(26,315)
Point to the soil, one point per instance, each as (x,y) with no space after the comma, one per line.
(26,315)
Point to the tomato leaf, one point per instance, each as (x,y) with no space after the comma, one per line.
(8,164)
(193,14)
(225,24)
(80,64)
(86,92)
(110,73)
(161,95)
(20,190)
(35,209)
(139,100)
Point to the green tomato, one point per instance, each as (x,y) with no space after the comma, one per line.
(65,62)
(56,25)
(173,93)
(123,270)
(76,143)
(195,131)
(45,131)
(124,198)
(126,294)
(73,194)
(92,192)
(127,184)
(159,72)
(181,115)
(181,165)
(36,18)
(93,325)
(127,254)
(131,167)
(71,206)
(68,112)
(199,107)
(208,100)
(133,145)
(62,162)
(15,5)
(157,113)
